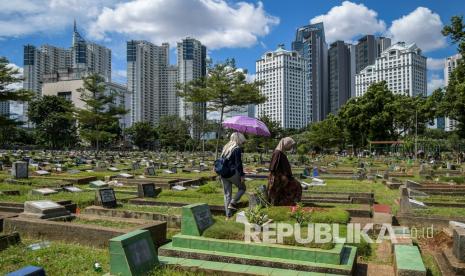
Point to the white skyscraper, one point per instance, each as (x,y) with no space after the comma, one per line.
(286,86)
(150,81)
(402,66)
(449,66)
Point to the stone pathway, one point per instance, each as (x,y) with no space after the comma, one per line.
(374,269)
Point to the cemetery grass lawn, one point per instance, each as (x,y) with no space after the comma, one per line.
(167,210)
(441,211)
(105,223)
(58,259)
(432,268)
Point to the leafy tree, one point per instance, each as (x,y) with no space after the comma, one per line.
(9,76)
(98,121)
(326,134)
(224,88)
(454,98)
(142,134)
(173,132)
(54,120)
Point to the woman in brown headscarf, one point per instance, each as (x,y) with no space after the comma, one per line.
(283,189)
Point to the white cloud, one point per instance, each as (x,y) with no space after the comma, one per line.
(435,64)
(421,26)
(119,75)
(31,16)
(18,85)
(216,23)
(349,20)
(434,82)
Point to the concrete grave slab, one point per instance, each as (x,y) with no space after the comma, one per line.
(43,191)
(72,189)
(44,209)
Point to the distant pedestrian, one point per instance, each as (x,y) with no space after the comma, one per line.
(232,156)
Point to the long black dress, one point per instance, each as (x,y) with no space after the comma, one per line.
(283,189)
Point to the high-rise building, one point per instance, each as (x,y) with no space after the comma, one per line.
(192,56)
(147,74)
(82,57)
(310,43)
(5,108)
(172,100)
(368,49)
(339,75)
(449,66)
(286,87)
(402,66)
(67,83)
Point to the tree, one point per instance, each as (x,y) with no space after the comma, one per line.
(173,132)
(8,77)
(54,120)
(454,98)
(225,88)
(263,144)
(99,120)
(326,134)
(142,134)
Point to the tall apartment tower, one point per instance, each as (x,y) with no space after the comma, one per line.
(368,49)
(172,100)
(82,56)
(402,66)
(449,66)
(192,56)
(147,73)
(286,87)
(339,66)
(310,43)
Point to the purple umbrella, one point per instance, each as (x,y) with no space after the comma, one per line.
(246,124)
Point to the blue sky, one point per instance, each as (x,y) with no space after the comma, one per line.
(240,29)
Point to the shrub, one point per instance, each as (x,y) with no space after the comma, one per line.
(334,215)
(256,215)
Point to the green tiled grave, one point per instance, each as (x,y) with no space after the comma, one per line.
(408,259)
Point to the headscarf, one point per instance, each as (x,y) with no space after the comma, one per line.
(235,141)
(285,144)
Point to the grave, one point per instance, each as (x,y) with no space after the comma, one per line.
(72,189)
(132,254)
(455,256)
(189,246)
(98,184)
(147,190)
(28,271)
(382,214)
(44,209)
(150,171)
(125,175)
(100,166)
(7,240)
(19,170)
(43,191)
(41,172)
(106,197)
(408,261)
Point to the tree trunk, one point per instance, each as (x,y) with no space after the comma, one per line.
(219,133)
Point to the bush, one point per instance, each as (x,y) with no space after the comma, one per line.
(209,188)
(334,215)
(256,215)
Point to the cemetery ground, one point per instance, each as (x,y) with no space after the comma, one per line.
(115,198)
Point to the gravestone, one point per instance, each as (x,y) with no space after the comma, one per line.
(147,190)
(150,171)
(195,219)
(132,254)
(106,197)
(72,189)
(44,209)
(100,166)
(174,169)
(135,166)
(405,206)
(98,184)
(28,271)
(19,170)
(43,191)
(125,175)
(41,172)
(458,248)
(315,172)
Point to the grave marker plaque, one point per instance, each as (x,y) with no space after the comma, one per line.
(147,190)
(106,197)
(150,171)
(195,219)
(19,170)
(132,253)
